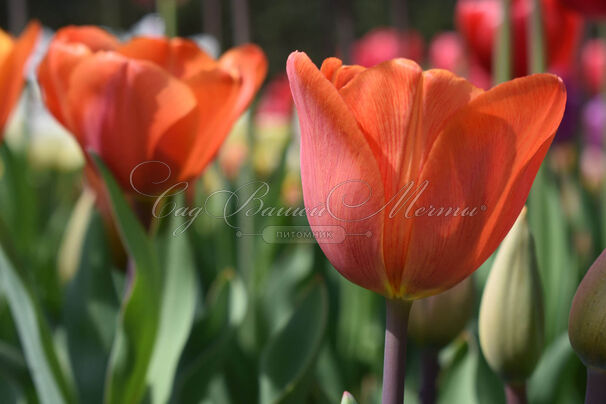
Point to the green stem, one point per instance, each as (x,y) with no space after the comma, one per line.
(394,360)
(168,11)
(502,56)
(536,50)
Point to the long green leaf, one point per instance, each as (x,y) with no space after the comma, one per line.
(51,384)
(140,313)
(176,314)
(288,358)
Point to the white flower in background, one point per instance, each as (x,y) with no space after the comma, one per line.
(32,128)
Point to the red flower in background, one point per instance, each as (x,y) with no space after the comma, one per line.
(593,65)
(383,44)
(276,101)
(150,99)
(589,8)
(14,54)
(478,21)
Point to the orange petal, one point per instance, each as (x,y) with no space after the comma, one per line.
(488,155)
(217,93)
(401,110)
(338,172)
(54,73)
(181,57)
(122,108)
(333,69)
(249,60)
(92,37)
(385,101)
(223,94)
(12,70)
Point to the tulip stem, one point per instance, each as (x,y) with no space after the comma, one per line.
(516,393)
(430,368)
(394,361)
(168,11)
(596,386)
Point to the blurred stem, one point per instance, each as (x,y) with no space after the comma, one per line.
(17,15)
(345,28)
(430,368)
(596,386)
(502,55)
(535,39)
(515,393)
(211,18)
(168,11)
(394,360)
(240,21)
(399,14)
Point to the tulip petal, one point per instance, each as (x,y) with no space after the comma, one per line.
(339,174)
(223,94)
(121,108)
(486,158)
(94,38)
(54,73)
(217,93)
(12,70)
(249,60)
(181,57)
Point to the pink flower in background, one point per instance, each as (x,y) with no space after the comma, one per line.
(593,64)
(383,44)
(446,51)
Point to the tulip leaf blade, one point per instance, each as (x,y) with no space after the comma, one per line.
(49,380)
(140,312)
(90,313)
(178,303)
(287,359)
(210,338)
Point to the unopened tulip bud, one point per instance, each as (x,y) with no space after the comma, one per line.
(587,323)
(348,398)
(587,327)
(511,322)
(437,320)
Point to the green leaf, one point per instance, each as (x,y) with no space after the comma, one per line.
(177,312)
(287,359)
(140,313)
(555,370)
(556,265)
(206,350)
(37,344)
(90,313)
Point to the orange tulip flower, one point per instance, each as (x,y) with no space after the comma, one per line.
(150,99)
(415,177)
(14,54)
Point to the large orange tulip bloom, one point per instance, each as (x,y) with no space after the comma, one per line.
(367,134)
(14,54)
(150,99)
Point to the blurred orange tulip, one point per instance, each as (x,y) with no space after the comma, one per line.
(419,174)
(150,99)
(14,54)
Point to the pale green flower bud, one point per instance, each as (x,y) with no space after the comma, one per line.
(511,322)
(348,398)
(437,320)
